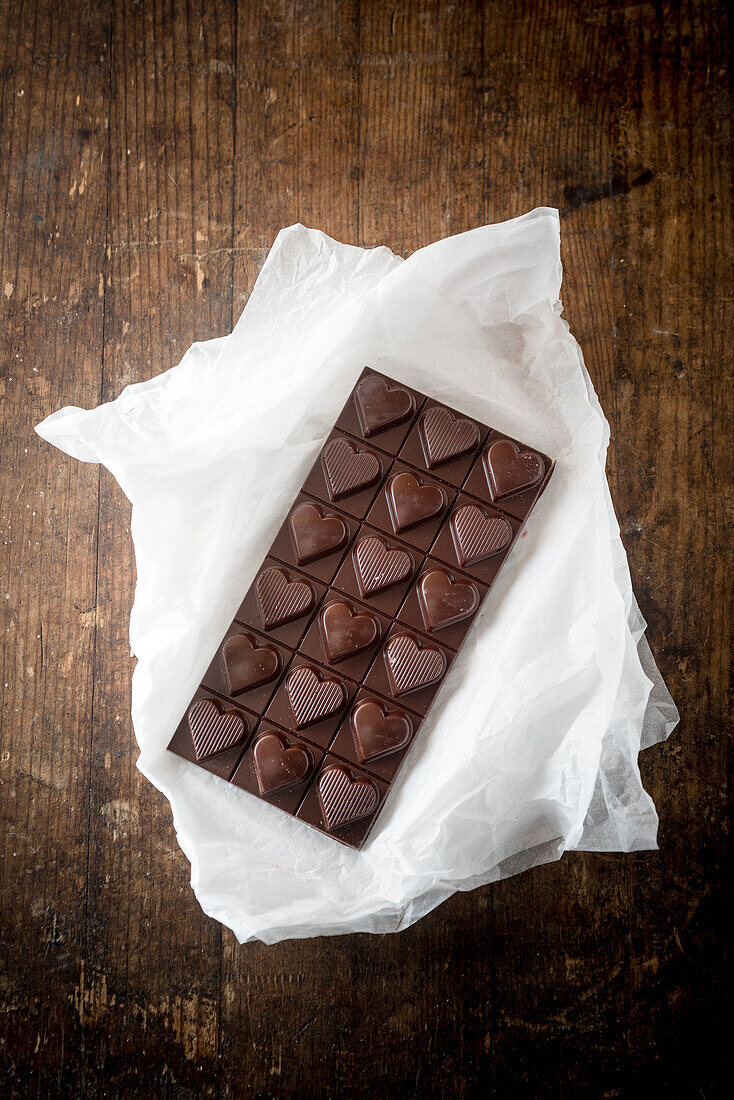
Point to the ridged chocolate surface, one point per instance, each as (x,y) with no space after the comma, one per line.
(378,567)
(347,468)
(412,666)
(477,535)
(344,799)
(445,436)
(312,697)
(282,598)
(212,731)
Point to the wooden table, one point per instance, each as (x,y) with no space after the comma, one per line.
(150,152)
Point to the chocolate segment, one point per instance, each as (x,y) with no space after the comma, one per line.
(315,532)
(444,601)
(381,404)
(278,763)
(337,680)
(477,534)
(445,436)
(282,598)
(509,475)
(313,696)
(344,797)
(411,664)
(347,468)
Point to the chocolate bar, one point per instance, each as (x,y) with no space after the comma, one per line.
(321,683)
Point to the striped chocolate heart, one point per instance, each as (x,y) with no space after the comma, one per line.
(412,665)
(282,599)
(313,697)
(478,536)
(348,469)
(377,567)
(345,799)
(445,436)
(214,731)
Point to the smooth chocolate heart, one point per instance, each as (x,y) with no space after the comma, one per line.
(510,470)
(278,764)
(377,567)
(345,799)
(346,631)
(281,599)
(213,730)
(315,533)
(378,731)
(381,406)
(443,601)
(478,536)
(347,469)
(445,436)
(246,664)
(312,697)
(411,502)
(411,666)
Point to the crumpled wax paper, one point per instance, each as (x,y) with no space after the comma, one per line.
(532,745)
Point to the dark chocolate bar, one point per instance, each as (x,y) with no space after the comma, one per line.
(319,686)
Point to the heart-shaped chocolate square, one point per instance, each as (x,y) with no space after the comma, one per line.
(443,601)
(378,731)
(313,697)
(213,730)
(411,502)
(246,664)
(477,535)
(510,470)
(412,665)
(315,533)
(347,469)
(347,631)
(282,598)
(344,798)
(380,406)
(278,764)
(445,436)
(377,567)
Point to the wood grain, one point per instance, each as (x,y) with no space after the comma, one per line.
(150,153)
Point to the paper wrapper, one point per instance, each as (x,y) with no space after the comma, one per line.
(532,745)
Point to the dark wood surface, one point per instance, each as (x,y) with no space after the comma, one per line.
(149,153)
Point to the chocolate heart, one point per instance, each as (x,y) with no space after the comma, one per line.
(347,469)
(510,470)
(344,799)
(278,764)
(312,697)
(246,664)
(378,731)
(281,599)
(214,731)
(315,533)
(445,436)
(443,601)
(377,567)
(346,631)
(478,536)
(411,503)
(380,406)
(410,665)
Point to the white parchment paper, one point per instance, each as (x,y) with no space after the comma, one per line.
(532,746)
